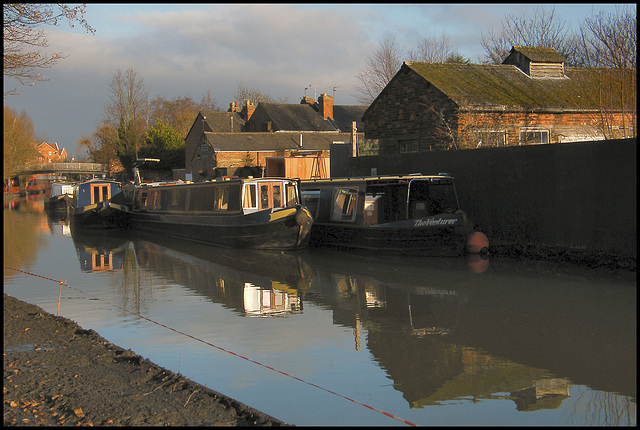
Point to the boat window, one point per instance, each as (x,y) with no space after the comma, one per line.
(175,195)
(100,193)
(428,198)
(221,202)
(292,199)
(344,204)
(264,196)
(311,200)
(277,196)
(153,199)
(250,196)
(143,199)
(372,208)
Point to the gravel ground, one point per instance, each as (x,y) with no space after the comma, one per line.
(56,373)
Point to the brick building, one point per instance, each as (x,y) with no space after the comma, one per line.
(238,142)
(51,153)
(532,98)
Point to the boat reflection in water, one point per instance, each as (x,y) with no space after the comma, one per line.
(58,224)
(440,331)
(99,250)
(251,282)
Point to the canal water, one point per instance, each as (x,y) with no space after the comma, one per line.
(323,337)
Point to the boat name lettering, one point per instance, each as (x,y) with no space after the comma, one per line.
(439,221)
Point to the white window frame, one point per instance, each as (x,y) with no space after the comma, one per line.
(534,130)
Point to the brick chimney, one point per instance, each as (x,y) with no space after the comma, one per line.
(248,110)
(326,106)
(233,107)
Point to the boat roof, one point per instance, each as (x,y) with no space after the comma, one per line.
(219,180)
(383,178)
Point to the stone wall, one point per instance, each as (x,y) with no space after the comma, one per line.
(570,197)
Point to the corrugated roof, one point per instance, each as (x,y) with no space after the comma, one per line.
(278,141)
(484,85)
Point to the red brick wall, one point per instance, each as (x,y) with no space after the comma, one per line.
(410,108)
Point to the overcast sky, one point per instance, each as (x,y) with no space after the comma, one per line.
(280,50)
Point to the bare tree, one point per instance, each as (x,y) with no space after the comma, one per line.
(432,49)
(541,29)
(127,114)
(610,39)
(381,67)
(255,96)
(22,38)
(608,45)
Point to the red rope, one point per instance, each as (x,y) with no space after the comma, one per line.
(222,349)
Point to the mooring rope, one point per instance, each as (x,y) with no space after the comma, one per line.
(63,282)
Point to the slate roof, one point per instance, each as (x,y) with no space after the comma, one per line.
(344,115)
(293,117)
(278,141)
(221,121)
(506,86)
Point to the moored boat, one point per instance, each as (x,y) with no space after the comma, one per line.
(256,213)
(397,214)
(57,203)
(98,203)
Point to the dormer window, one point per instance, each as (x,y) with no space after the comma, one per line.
(537,62)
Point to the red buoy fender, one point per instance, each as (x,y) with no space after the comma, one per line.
(477,243)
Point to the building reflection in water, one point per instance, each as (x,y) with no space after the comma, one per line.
(414,317)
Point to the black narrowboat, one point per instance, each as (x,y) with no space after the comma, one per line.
(395,214)
(98,203)
(256,213)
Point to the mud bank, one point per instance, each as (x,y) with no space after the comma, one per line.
(56,373)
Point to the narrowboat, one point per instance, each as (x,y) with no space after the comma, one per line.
(98,203)
(395,214)
(256,213)
(57,203)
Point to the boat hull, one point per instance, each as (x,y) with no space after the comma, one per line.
(285,229)
(410,214)
(57,205)
(393,238)
(103,215)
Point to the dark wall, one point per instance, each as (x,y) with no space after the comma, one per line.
(578,196)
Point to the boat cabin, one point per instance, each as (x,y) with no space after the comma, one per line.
(226,196)
(96,191)
(379,200)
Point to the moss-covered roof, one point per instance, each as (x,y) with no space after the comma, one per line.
(539,55)
(480,86)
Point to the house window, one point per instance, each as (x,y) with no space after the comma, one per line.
(533,137)
(408,145)
(490,139)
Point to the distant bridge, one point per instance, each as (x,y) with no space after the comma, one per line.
(78,168)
